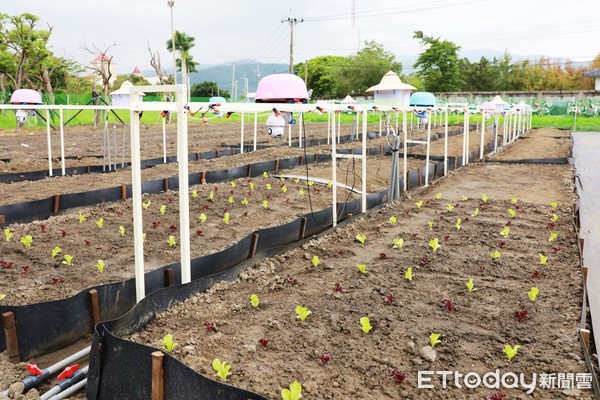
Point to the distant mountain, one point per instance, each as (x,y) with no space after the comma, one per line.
(250,69)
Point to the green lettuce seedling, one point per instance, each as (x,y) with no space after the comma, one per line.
(168,343)
(419,203)
(362,268)
(222,369)
(143,236)
(393,220)
(245,202)
(27,240)
(251,185)
(365,324)
(495,255)
(265,204)
(231,200)
(233,185)
(552,237)
(56,251)
(226,218)
(68,260)
(2,295)
(211,196)
(144,205)
(438,196)
(458,224)
(284,189)
(329,184)
(302,313)
(470,285)
(361,237)
(293,393)
(408,275)
(505,231)
(435,244)
(254,300)
(281,177)
(485,198)
(554,217)
(122,230)
(543,259)
(533,293)
(265,175)
(194,194)
(430,225)
(315,261)
(7,234)
(301,192)
(202,217)
(398,243)
(172,241)
(81,218)
(100,266)
(511,213)
(464,198)
(434,339)
(100,222)
(553,204)
(268,186)
(511,352)
(449,207)
(514,200)
(475,213)
(163,208)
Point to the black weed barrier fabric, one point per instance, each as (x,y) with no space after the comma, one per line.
(110,355)
(48,326)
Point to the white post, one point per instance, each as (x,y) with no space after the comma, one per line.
(333,172)
(427,148)
(404,147)
(255,128)
(380,123)
(62,140)
(364,159)
(465,142)
(184,195)
(339,129)
(242,136)
(164,137)
(49,140)
(300,125)
(328,127)
(446,143)
(482,134)
(136,191)
(290,135)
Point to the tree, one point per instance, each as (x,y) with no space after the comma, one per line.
(135,80)
(439,64)
(185,62)
(369,65)
(324,76)
(208,89)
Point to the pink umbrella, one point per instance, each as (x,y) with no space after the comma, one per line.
(25,96)
(278,88)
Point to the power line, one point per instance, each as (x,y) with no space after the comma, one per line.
(292,22)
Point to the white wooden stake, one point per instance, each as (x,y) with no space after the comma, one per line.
(49,140)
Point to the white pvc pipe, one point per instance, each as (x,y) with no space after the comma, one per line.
(290,135)
(404,129)
(427,148)
(57,390)
(380,123)
(255,128)
(69,391)
(333,172)
(49,140)
(242,136)
(328,127)
(164,138)
(62,140)
(136,191)
(446,144)
(339,129)
(184,196)
(482,134)
(364,159)
(300,133)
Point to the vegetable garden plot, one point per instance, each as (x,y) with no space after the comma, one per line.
(347,281)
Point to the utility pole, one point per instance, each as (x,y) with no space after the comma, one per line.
(171,3)
(233,81)
(292,22)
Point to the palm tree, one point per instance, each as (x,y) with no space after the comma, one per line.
(184,44)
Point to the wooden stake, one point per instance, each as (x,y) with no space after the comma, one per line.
(302,232)
(584,271)
(301,160)
(158,390)
(277,165)
(88,169)
(166,184)
(249,173)
(169,277)
(585,335)
(253,245)
(123,191)
(581,243)
(94,307)
(2,219)
(10,334)
(56,202)
(203,177)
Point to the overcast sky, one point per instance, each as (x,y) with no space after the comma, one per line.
(230,30)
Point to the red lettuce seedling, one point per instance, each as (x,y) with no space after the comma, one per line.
(56,279)
(389,299)
(44,228)
(481,268)
(536,274)
(496,396)
(406,212)
(216,189)
(63,233)
(173,228)
(170,199)
(340,252)
(414,234)
(508,223)
(521,315)
(378,230)
(209,326)
(339,288)
(449,305)
(290,279)
(551,225)
(398,376)
(264,342)
(446,238)
(26,269)
(422,260)
(7,264)
(555,249)
(155,224)
(501,244)
(325,357)
(466,219)
(383,256)
(87,242)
